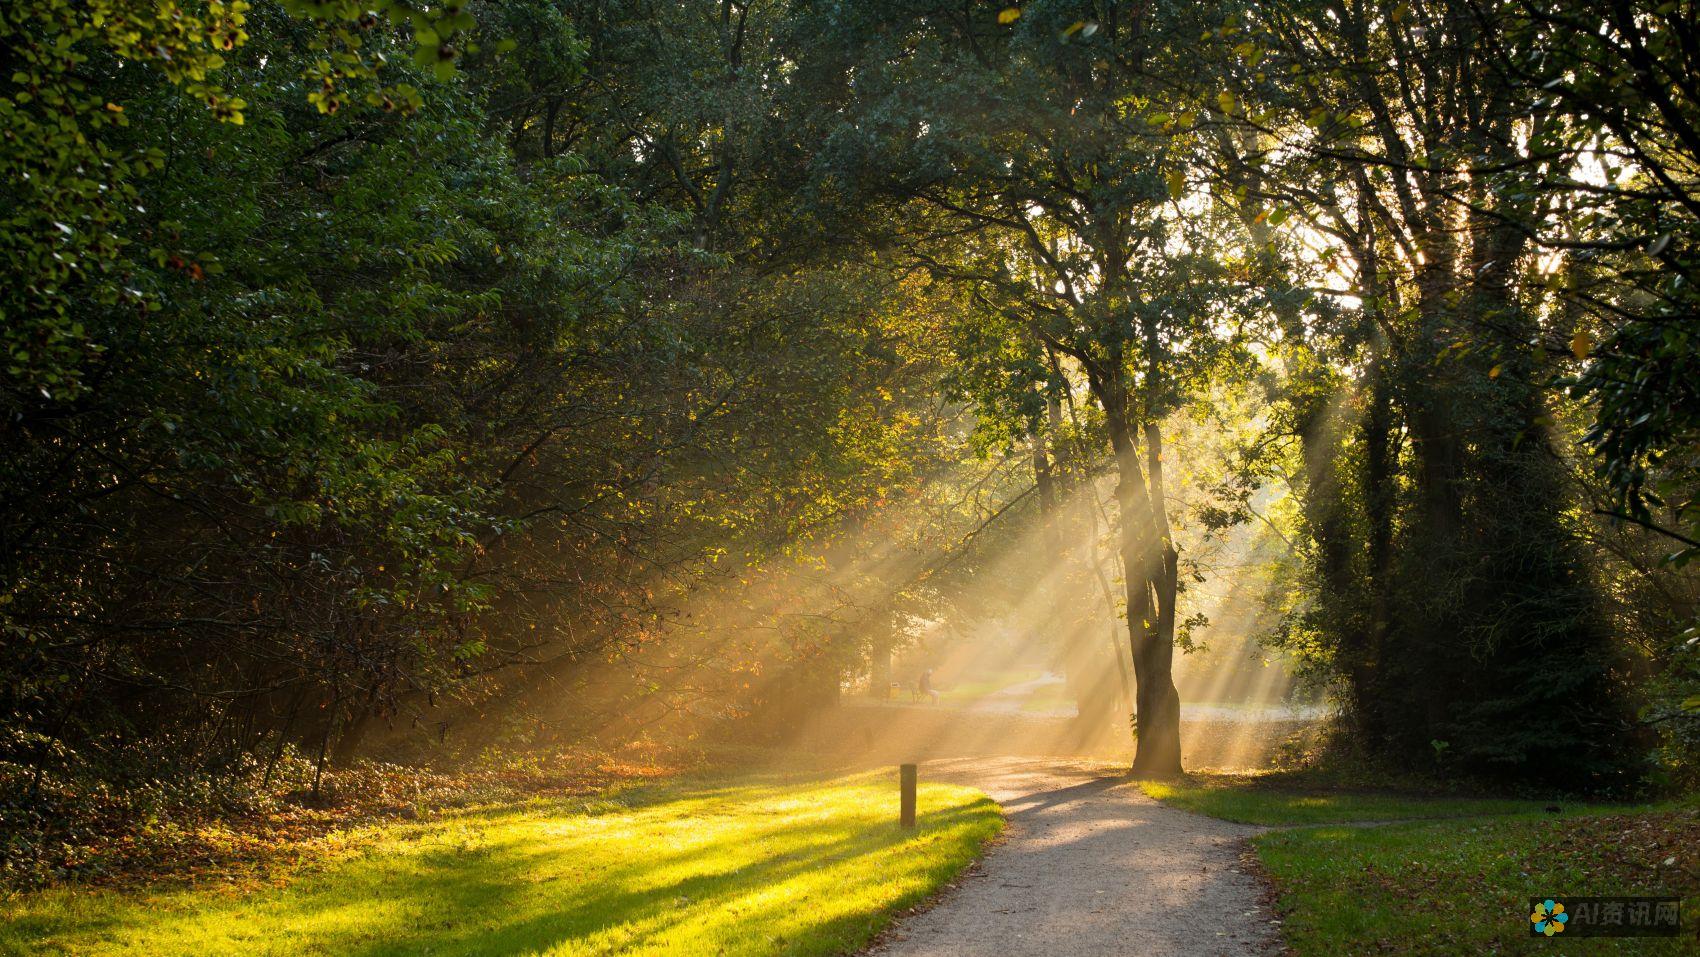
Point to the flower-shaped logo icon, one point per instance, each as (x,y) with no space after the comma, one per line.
(1549,918)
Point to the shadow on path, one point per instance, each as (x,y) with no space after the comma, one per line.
(1090,866)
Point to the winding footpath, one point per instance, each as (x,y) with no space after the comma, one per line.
(1090,867)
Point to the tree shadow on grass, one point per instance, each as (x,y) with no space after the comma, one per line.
(624,905)
(778,876)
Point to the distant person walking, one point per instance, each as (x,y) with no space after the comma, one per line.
(924,687)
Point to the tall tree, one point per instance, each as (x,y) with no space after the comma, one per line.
(1047,180)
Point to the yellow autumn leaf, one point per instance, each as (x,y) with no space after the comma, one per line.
(1225,101)
(1177,184)
(1493,373)
(1009,15)
(1581,344)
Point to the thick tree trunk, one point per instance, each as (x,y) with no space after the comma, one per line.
(1150,566)
(1159,753)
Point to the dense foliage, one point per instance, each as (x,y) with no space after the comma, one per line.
(1480,240)
(319,410)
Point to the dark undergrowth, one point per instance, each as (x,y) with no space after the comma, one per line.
(89,831)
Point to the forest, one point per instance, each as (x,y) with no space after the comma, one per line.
(401,390)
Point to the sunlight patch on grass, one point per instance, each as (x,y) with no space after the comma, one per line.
(738,868)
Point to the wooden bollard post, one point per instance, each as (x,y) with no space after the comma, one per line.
(907,813)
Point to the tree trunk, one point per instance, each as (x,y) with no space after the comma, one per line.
(1159,755)
(1149,566)
(554,110)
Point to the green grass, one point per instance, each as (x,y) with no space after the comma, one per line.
(1462,887)
(1453,875)
(986,683)
(1251,799)
(743,867)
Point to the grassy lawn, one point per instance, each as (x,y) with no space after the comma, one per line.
(1051,697)
(740,867)
(983,683)
(1454,886)
(1462,887)
(1263,799)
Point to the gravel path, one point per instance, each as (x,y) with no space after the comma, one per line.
(1090,867)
